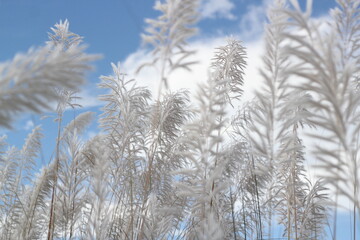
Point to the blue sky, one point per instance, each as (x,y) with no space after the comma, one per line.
(112,28)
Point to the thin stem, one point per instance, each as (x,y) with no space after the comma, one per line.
(233,215)
(257,197)
(244,218)
(52,205)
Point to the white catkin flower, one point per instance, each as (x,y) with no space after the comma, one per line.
(168,35)
(27,82)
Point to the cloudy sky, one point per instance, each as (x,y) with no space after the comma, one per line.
(113,27)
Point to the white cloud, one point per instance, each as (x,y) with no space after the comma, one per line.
(180,78)
(88,99)
(91,134)
(189,80)
(252,22)
(217,9)
(29,125)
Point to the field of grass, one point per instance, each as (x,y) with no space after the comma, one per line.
(173,165)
